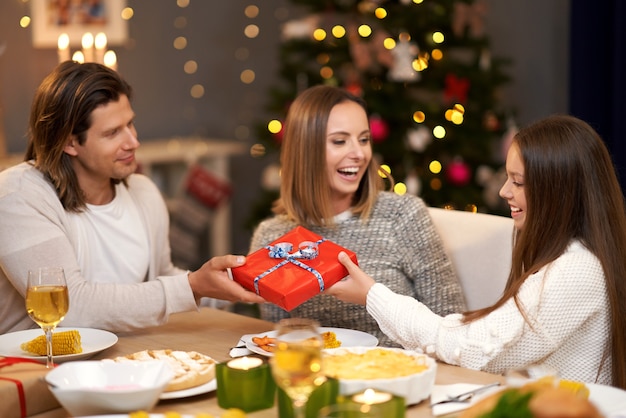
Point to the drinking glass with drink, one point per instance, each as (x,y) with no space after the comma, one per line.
(47,302)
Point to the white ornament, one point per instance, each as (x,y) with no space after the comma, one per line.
(404,53)
(300,28)
(419,139)
(270,179)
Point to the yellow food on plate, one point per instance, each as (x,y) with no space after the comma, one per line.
(373,364)
(64,342)
(330,340)
(543,398)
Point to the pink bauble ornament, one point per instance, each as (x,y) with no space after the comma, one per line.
(378,128)
(458,173)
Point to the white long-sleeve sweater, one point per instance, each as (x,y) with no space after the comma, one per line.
(35,231)
(566,303)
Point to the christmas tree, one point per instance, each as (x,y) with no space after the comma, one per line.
(425,69)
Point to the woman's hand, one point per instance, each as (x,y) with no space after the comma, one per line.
(353,288)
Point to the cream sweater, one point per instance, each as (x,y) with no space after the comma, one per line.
(397,245)
(566,303)
(35,231)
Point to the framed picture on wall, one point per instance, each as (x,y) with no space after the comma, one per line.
(51,18)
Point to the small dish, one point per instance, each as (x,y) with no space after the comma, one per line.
(97,387)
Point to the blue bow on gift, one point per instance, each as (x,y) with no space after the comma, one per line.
(306,250)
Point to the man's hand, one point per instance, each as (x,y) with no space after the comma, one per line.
(353,288)
(212,281)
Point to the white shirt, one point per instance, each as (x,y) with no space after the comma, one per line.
(112,242)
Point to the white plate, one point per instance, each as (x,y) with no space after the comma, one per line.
(348,338)
(609,400)
(92,340)
(209,386)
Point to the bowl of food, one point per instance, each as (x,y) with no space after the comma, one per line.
(401,372)
(97,387)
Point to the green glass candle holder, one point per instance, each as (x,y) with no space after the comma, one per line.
(245,383)
(325,394)
(385,404)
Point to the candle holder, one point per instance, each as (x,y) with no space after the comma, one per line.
(386,404)
(323,395)
(245,383)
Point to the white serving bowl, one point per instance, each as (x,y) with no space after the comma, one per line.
(98,387)
(413,388)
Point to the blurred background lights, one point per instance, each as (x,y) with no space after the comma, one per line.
(247,76)
(323,59)
(326,72)
(418,1)
(127,13)
(421,62)
(180,22)
(251,31)
(197,91)
(380,13)
(439,131)
(438,37)
(436,54)
(389,43)
(435,184)
(182,3)
(180,42)
(25,21)
(257,150)
(399,188)
(274,126)
(471,208)
(319,34)
(251,11)
(190,67)
(384,170)
(419,116)
(338,31)
(365,31)
(434,167)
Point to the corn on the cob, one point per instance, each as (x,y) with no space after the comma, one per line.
(64,342)
(578,388)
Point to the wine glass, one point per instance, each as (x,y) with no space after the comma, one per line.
(297,361)
(47,301)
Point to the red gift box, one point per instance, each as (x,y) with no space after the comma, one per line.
(288,278)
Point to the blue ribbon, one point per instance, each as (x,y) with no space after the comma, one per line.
(307,250)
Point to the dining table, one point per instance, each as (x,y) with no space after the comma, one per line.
(215,332)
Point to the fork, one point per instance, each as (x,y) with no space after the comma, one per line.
(466,396)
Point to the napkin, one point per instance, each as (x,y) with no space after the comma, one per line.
(240,349)
(442,392)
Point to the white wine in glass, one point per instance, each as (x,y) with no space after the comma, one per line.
(47,301)
(297,361)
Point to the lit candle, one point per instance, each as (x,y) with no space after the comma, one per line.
(371,397)
(64,47)
(100,42)
(110,60)
(245,383)
(87,43)
(78,57)
(245,363)
(385,403)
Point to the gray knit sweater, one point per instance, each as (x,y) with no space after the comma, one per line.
(398,246)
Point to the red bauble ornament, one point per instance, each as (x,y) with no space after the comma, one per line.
(378,128)
(458,173)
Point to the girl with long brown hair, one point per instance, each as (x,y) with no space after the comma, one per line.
(564,305)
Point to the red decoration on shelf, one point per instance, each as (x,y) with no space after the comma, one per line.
(458,173)
(456,88)
(378,128)
(206,187)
